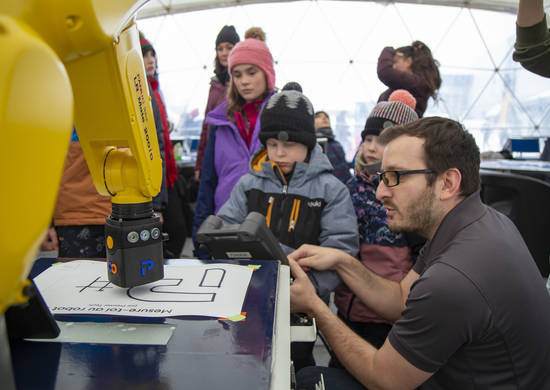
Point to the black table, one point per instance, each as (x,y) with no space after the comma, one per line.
(203,353)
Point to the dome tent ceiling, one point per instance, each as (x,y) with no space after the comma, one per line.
(165,7)
(333,46)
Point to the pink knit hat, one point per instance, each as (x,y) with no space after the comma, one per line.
(255,52)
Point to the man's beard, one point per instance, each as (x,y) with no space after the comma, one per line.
(419,217)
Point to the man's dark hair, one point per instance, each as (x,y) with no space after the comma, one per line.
(447,145)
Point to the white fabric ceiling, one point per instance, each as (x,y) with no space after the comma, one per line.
(165,7)
(331,48)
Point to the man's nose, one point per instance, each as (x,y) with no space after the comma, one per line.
(382,191)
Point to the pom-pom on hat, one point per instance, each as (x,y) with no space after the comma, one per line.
(404,96)
(292,86)
(255,32)
(255,52)
(390,113)
(227,34)
(288,116)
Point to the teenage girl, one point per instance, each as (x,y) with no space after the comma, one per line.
(235,124)
(225,41)
(412,68)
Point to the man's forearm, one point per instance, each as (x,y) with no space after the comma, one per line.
(530,12)
(381,295)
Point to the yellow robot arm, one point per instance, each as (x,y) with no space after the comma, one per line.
(96,44)
(36,105)
(55,53)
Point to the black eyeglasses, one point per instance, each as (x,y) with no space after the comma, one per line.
(391,178)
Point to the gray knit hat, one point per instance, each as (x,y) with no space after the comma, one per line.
(288,116)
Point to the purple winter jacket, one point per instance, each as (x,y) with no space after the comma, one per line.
(226,159)
(231,155)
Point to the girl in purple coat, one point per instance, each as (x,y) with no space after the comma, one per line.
(225,41)
(412,68)
(234,124)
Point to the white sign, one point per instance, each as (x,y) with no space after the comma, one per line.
(82,287)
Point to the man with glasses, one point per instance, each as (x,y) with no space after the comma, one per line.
(472,313)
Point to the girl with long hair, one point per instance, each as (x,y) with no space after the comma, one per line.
(235,124)
(412,68)
(225,41)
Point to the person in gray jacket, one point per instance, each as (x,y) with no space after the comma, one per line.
(290,182)
(300,198)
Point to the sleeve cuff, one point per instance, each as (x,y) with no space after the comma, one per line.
(532,34)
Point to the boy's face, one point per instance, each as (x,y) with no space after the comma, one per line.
(285,154)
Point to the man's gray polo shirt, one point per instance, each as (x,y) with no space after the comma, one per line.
(479,314)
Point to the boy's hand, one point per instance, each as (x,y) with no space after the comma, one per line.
(302,293)
(317,257)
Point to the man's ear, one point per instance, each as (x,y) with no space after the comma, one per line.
(450,183)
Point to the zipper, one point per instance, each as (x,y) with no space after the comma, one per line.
(271,201)
(281,177)
(294,215)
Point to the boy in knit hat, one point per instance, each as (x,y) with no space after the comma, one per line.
(388,254)
(290,182)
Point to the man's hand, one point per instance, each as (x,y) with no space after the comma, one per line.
(302,293)
(317,257)
(50,242)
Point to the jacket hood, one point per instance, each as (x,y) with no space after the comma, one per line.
(318,163)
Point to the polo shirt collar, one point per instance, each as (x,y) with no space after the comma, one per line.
(463,214)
